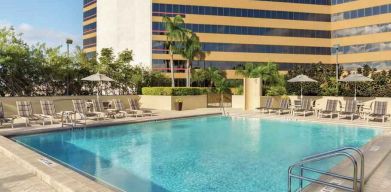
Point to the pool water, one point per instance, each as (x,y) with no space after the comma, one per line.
(197,154)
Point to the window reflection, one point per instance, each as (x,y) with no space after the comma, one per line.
(365,12)
(366,30)
(170,9)
(159,47)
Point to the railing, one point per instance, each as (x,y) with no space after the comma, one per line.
(338,152)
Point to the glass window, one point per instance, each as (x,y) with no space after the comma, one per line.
(175,9)
(195,10)
(361,13)
(220,11)
(226,11)
(368,11)
(169,8)
(353,14)
(201,10)
(384,9)
(376,10)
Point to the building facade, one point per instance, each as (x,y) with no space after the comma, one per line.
(233,32)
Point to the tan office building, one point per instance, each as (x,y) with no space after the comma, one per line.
(287,32)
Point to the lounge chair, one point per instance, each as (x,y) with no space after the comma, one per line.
(4,119)
(305,107)
(25,111)
(120,108)
(98,109)
(267,105)
(135,107)
(80,107)
(49,111)
(379,111)
(331,109)
(349,111)
(284,107)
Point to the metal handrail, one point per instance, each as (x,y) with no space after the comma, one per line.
(330,154)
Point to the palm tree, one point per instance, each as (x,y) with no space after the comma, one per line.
(175,35)
(214,75)
(221,88)
(250,70)
(191,49)
(268,72)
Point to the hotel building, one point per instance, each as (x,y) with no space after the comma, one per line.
(287,32)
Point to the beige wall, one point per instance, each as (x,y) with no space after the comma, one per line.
(156,102)
(168,102)
(238,101)
(320,101)
(252,91)
(62,103)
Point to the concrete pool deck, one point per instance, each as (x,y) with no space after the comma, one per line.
(46,175)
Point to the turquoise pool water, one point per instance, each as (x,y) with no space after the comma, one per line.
(198,154)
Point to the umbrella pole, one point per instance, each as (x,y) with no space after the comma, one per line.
(355,91)
(301,92)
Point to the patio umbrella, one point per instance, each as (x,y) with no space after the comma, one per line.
(354,77)
(98,78)
(300,79)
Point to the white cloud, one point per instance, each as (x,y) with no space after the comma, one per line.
(51,37)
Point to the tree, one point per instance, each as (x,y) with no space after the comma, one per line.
(221,88)
(269,74)
(191,49)
(176,34)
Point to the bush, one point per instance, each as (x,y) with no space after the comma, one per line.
(174,91)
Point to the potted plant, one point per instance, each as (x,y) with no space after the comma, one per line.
(178,104)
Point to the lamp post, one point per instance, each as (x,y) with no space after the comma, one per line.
(336,47)
(68,42)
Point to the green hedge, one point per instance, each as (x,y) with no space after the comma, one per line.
(174,91)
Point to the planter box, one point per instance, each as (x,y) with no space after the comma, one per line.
(168,102)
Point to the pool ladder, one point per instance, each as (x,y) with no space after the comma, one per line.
(348,152)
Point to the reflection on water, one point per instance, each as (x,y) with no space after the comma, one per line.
(199,154)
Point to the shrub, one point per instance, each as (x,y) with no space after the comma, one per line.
(174,91)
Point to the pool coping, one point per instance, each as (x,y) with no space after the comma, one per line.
(63,178)
(98,124)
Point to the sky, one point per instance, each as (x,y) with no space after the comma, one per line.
(48,21)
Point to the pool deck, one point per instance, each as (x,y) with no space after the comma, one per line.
(30,171)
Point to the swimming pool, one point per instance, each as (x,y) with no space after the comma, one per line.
(211,153)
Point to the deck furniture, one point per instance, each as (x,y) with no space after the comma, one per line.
(305,107)
(379,111)
(120,108)
(267,105)
(135,107)
(331,109)
(105,113)
(25,111)
(283,107)
(80,108)
(349,111)
(49,112)
(4,119)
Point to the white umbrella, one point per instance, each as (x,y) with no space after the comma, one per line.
(354,77)
(99,78)
(300,79)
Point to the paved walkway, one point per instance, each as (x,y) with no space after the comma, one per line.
(381,179)
(14,178)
